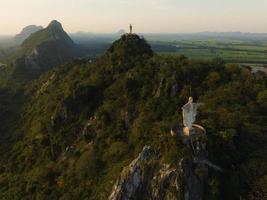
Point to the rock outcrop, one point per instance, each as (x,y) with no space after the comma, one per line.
(46,84)
(146,178)
(160,88)
(193,176)
(165,184)
(167,87)
(195,170)
(132,179)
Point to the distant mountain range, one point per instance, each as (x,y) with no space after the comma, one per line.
(204,36)
(85,37)
(81,36)
(26,32)
(89,34)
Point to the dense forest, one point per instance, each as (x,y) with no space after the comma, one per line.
(68,134)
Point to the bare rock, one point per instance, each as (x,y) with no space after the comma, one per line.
(174,87)
(146,178)
(165,184)
(132,178)
(160,88)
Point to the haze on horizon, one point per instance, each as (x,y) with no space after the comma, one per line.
(151,16)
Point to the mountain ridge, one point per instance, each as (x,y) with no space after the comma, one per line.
(26,32)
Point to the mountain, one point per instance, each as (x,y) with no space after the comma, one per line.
(44,50)
(26,32)
(128,49)
(52,33)
(101,130)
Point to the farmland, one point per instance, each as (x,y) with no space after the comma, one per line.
(236,51)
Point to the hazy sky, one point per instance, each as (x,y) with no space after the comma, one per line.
(145,15)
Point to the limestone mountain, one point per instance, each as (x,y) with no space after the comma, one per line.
(43,50)
(128,49)
(26,32)
(130,46)
(77,131)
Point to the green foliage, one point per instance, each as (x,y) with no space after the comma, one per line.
(68,134)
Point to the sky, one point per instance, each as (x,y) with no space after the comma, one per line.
(147,16)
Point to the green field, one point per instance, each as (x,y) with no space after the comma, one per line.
(239,51)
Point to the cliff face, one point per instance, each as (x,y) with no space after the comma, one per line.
(146,178)
(194,171)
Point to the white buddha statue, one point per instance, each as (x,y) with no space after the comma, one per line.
(189,113)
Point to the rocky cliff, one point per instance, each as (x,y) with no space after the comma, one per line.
(146,178)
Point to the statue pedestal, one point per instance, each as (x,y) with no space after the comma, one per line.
(196,130)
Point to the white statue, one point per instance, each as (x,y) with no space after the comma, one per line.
(189,113)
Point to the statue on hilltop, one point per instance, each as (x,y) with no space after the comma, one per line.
(131,29)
